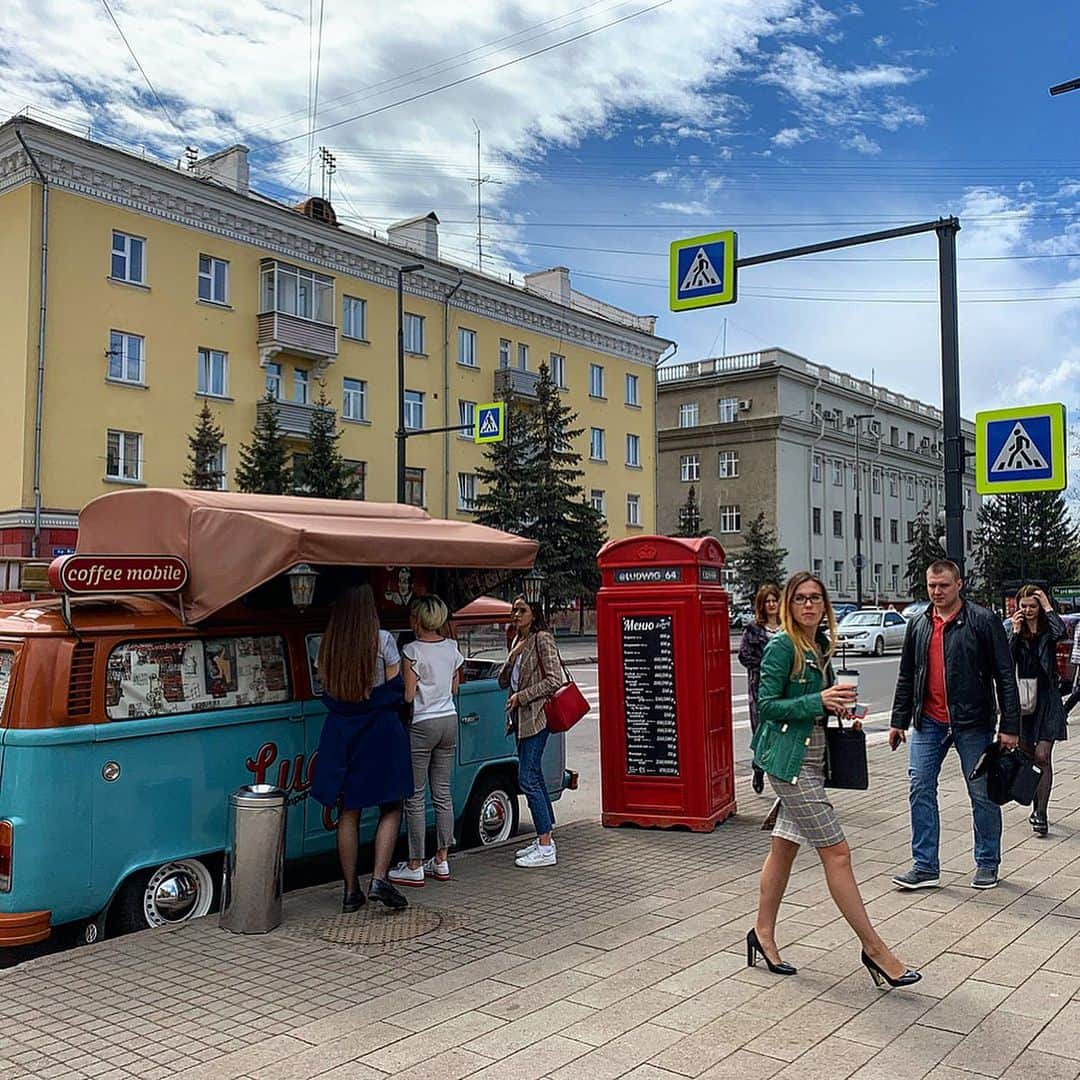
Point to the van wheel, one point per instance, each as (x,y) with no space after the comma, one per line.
(492,813)
(174,893)
(879,647)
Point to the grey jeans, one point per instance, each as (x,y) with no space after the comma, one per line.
(433,743)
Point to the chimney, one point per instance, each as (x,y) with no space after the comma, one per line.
(228,167)
(554,283)
(419,234)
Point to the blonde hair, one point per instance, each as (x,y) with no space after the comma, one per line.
(349,651)
(430,613)
(800,638)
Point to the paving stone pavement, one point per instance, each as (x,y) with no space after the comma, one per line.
(627,960)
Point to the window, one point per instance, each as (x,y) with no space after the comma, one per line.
(128,258)
(354,318)
(596,380)
(466,412)
(909,487)
(817,568)
(504,353)
(688,414)
(155,678)
(359,472)
(273,381)
(968,540)
(816,517)
(557,367)
(816,469)
(877,580)
(632,390)
(894,485)
(729,410)
(967,498)
(596,501)
(123,455)
(523,356)
(466,491)
(838,576)
(894,531)
(837,472)
(911,440)
(838,523)
(125,357)
(730,519)
(414,333)
(294,291)
(596,444)
(301,387)
(894,578)
(414,487)
(213,376)
(633,451)
(728,462)
(213,280)
(689,468)
(910,530)
(875,482)
(354,399)
(877,530)
(414,410)
(221,467)
(633,509)
(894,436)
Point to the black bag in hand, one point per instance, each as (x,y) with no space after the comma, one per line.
(1011,776)
(845,757)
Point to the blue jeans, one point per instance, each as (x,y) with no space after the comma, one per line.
(531,781)
(928,750)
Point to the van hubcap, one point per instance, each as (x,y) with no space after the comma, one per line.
(177,892)
(496,816)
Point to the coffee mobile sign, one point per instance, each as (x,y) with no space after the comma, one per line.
(89,575)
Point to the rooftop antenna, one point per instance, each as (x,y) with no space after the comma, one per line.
(328,165)
(191,156)
(480,181)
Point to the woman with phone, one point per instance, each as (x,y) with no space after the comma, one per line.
(797,692)
(1036,630)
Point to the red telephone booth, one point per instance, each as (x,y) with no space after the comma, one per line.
(666,756)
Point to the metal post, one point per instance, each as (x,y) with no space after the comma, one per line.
(858,518)
(950,392)
(400,434)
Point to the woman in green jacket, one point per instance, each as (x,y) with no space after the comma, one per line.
(796,694)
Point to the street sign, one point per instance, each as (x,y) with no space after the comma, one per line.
(859,562)
(1020,449)
(490,423)
(703,271)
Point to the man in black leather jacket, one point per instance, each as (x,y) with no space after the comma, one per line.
(954,656)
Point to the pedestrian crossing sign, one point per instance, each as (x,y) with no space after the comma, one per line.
(703,271)
(490,423)
(1020,449)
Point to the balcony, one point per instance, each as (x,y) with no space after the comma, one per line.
(294,420)
(296,312)
(513,382)
(279,332)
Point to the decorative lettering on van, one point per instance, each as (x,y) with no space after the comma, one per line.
(87,574)
(293,776)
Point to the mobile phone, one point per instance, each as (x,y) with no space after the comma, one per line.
(859,712)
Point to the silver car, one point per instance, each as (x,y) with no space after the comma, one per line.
(871,631)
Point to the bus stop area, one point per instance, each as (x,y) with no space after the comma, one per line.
(626,960)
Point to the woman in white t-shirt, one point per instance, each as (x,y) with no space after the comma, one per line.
(432,664)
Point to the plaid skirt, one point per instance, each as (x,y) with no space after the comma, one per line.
(805,815)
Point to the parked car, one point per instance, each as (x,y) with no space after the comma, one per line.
(843,610)
(915,609)
(872,631)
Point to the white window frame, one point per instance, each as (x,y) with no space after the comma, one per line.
(967,498)
(414,410)
(522,356)
(838,575)
(504,352)
(909,488)
(597,441)
(273,380)
(632,387)
(875,482)
(633,510)
(354,399)
(312,295)
(208,381)
(353,310)
(894,486)
(467,415)
(466,499)
(815,469)
(598,501)
(596,380)
(414,476)
(120,354)
(122,440)
(221,466)
(557,367)
(727,464)
(727,410)
(837,473)
(689,414)
(209,278)
(413,326)
(633,451)
(894,577)
(301,386)
(129,244)
(466,347)
(689,468)
(731,518)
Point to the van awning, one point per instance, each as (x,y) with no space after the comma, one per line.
(234,543)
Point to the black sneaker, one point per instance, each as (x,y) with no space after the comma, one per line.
(385,893)
(984,879)
(917,879)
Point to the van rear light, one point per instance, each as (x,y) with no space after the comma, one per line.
(7,835)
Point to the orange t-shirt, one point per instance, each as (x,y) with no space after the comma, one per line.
(935,702)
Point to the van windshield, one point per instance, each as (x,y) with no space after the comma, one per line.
(7,661)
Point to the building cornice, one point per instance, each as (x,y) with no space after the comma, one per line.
(50,519)
(112,176)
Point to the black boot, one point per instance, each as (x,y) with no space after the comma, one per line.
(758,783)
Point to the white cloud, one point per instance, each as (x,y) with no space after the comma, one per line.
(789,136)
(864,144)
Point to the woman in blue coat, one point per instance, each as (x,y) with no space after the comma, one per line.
(364,757)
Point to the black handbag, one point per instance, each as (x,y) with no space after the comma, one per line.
(845,757)
(1011,775)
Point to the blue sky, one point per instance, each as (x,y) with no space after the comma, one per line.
(790,120)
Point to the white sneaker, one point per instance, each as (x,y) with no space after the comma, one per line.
(403,875)
(539,856)
(440,871)
(531,847)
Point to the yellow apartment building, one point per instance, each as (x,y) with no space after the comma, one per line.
(166,287)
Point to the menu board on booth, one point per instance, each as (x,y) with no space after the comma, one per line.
(652,738)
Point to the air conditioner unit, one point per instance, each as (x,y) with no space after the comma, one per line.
(744,405)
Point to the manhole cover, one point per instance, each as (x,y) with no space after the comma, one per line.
(374,926)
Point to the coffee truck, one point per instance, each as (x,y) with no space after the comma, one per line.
(176,663)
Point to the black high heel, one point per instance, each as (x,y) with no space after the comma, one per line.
(907,979)
(754,949)
(1039,825)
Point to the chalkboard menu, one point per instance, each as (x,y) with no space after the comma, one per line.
(648,651)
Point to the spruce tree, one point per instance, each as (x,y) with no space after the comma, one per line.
(325,473)
(263,466)
(925,549)
(507,480)
(204,471)
(760,561)
(690,517)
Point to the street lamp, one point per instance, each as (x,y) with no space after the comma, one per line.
(858,418)
(1065,87)
(302,585)
(401,435)
(534,586)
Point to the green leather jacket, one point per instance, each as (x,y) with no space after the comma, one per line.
(787,707)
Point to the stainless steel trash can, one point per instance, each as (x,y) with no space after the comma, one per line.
(254,860)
